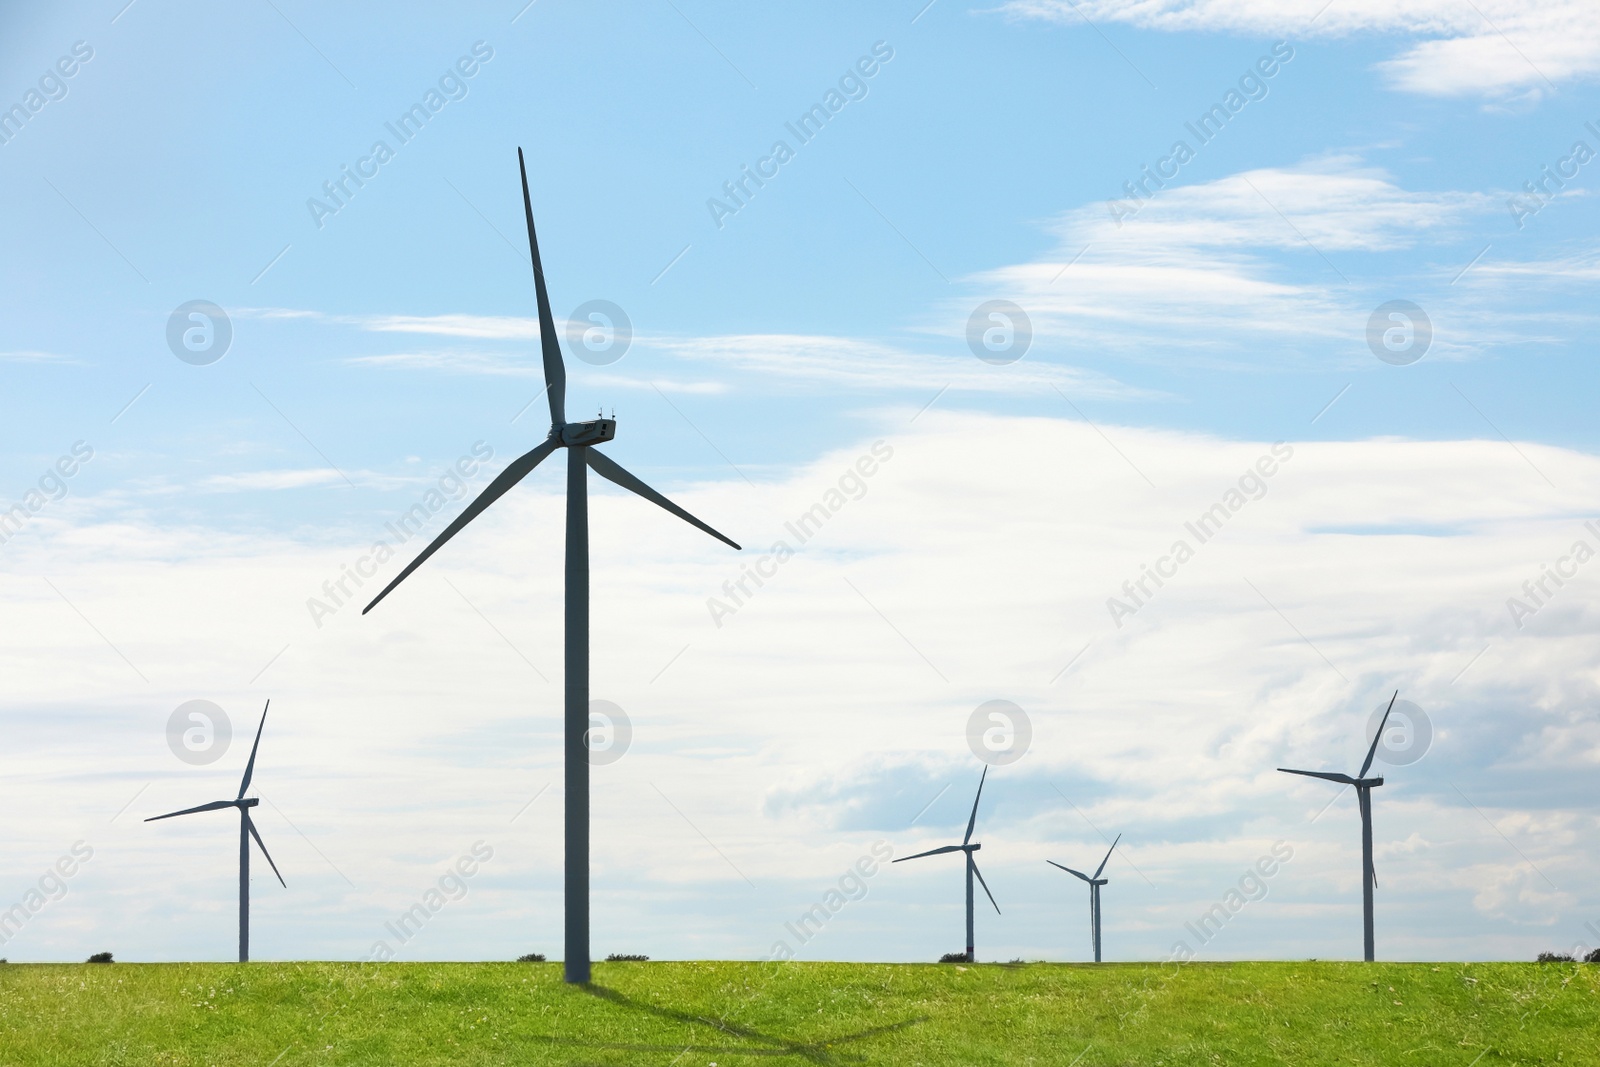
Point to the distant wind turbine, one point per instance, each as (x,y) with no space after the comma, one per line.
(247,830)
(972,867)
(1364,787)
(577,438)
(1095,882)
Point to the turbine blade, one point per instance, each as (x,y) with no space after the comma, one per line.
(1342,779)
(250,768)
(983,883)
(973,819)
(1069,870)
(1109,851)
(609,469)
(930,852)
(555,372)
(250,824)
(1373,750)
(515,471)
(215,805)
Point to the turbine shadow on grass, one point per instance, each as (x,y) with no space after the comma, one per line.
(820,1051)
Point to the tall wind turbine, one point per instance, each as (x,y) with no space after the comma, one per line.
(1095,882)
(247,830)
(578,438)
(1364,787)
(969,848)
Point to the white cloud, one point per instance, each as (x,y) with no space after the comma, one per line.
(1496,48)
(457,361)
(989,545)
(482,327)
(478,327)
(1581,268)
(33,356)
(520,366)
(824,361)
(1210,267)
(273,479)
(853,363)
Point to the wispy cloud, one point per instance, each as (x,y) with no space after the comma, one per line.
(483,327)
(458,361)
(1580,268)
(868,365)
(273,479)
(1213,270)
(478,327)
(1494,48)
(34,356)
(771,358)
(512,365)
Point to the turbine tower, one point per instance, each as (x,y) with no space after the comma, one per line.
(578,438)
(247,830)
(1364,787)
(969,848)
(1095,882)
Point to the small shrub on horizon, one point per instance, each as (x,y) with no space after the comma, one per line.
(100,957)
(1555,957)
(953,957)
(626,957)
(1592,957)
(532,957)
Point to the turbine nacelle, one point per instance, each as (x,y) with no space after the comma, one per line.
(579,434)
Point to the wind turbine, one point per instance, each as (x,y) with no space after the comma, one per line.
(1095,882)
(1364,787)
(967,847)
(247,830)
(577,438)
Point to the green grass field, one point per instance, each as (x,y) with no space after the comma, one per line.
(692,1014)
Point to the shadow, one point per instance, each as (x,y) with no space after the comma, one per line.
(817,1051)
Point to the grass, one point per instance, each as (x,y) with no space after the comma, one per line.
(694,1014)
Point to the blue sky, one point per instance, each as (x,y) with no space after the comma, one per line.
(984,158)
